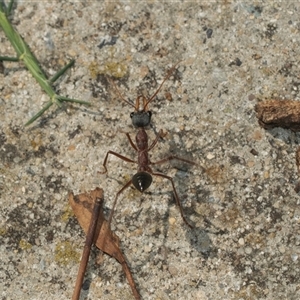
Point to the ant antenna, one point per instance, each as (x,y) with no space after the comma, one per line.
(157,91)
(119,93)
(145,101)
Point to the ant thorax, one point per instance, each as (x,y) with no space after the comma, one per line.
(141,118)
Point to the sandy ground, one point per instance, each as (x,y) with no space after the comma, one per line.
(241,195)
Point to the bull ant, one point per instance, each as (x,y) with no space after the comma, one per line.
(141,118)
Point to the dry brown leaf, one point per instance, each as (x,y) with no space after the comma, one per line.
(104,238)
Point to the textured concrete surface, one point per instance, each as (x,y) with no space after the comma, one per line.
(241,197)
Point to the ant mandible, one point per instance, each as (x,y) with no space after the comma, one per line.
(141,118)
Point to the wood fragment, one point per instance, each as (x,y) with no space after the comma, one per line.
(103,238)
(279,113)
(298,159)
(87,246)
(297,187)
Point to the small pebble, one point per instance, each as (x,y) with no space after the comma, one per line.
(210,156)
(173,270)
(172,221)
(248,250)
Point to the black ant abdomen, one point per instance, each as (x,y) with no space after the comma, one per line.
(141,181)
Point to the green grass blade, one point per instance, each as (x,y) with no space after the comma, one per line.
(31,62)
(62,71)
(7,58)
(3,8)
(62,98)
(10,6)
(36,116)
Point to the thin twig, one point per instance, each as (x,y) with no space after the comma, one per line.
(87,248)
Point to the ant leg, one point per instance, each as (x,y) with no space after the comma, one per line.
(117,155)
(158,136)
(176,196)
(173,157)
(115,201)
(131,142)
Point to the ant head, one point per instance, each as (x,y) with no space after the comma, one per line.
(141,117)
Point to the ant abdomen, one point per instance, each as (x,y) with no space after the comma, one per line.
(141,181)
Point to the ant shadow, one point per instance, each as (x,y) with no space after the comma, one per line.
(198,237)
(288,136)
(290,142)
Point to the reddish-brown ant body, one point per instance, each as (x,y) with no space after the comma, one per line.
(141,118)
